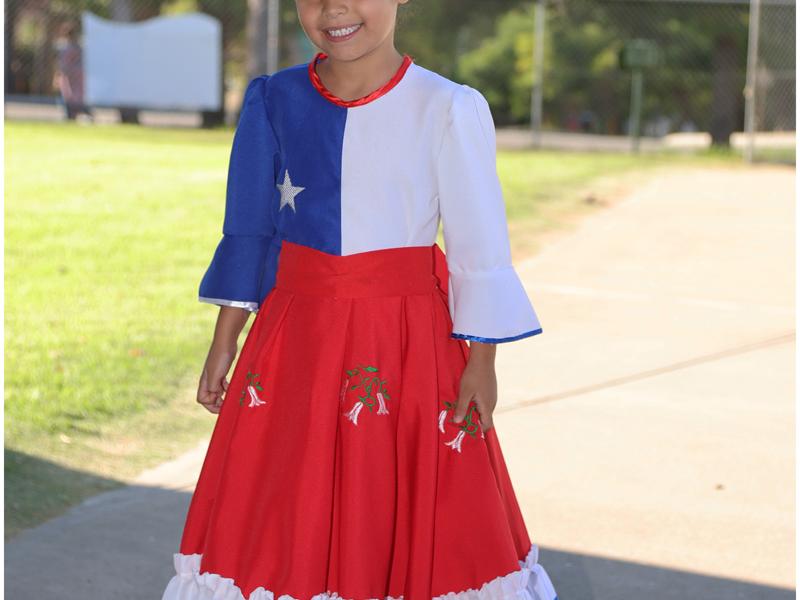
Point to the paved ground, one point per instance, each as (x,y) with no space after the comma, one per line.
(649,430)
(651,425)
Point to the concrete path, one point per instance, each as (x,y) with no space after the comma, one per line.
(649,429)
(650,426)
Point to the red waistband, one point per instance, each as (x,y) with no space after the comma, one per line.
(386,272)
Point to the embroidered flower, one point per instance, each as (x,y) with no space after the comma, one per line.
(254,399)
(252,389)
(455,443)
(382,410)
(372,388)
(470,425)
(352,414)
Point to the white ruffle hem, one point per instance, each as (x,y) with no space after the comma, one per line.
(530,582)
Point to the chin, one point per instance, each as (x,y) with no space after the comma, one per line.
(344,54)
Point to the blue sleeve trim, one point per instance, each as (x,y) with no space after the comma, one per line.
(485,340)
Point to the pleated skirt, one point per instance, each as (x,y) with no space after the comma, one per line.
(334,470)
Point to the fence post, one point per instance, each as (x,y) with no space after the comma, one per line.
(750,85)
(540,16)
(273,29)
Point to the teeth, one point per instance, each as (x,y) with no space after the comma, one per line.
(344,31)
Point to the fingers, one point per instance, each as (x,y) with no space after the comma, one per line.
(483,408)
(484,413)
(486,418)
(221,395)
(202,386)
(211,400)
(462,404)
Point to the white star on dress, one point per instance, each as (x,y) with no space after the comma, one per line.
(288,191)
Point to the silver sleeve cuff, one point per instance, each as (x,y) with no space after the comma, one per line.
(251,306)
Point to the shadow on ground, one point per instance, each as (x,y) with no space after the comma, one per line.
(113,546)
(119,544)
(37,489)
(584,577)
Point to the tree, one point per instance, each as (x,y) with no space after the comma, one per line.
(700,80)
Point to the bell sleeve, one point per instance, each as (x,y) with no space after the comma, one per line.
(487,301)
(241,270)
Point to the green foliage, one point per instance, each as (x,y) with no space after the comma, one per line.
(437,33)
(582,77)
(497,68)
(580,65)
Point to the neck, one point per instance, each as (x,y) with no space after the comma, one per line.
(350,79)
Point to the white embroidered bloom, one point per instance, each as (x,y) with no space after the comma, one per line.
(382,410)
(254,399)
(442,415)
(352,414)
(455,443)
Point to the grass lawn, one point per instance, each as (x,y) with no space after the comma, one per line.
(108,232)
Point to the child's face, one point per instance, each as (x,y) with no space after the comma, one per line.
(374,21)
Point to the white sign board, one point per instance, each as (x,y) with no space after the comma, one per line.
(165,63)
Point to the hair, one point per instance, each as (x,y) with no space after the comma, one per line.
(68,29)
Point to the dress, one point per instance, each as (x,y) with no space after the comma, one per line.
(334,470)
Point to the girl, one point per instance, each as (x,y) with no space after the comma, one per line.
(68,76)
(354,454)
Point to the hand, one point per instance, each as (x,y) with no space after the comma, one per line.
(213,380)
(478,383)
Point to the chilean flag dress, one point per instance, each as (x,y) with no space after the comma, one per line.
(335,470)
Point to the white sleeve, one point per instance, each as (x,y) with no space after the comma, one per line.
(487,301)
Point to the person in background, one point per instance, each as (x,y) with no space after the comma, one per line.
(68,79)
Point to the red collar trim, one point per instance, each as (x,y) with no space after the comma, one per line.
(317,82)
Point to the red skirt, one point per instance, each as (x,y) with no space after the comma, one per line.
(334,469)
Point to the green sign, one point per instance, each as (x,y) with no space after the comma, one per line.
(639,53)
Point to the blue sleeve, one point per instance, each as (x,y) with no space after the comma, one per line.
(241,272)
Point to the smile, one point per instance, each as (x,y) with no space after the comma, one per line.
(342,33)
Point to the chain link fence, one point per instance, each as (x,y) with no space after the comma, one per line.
(773,80)
(696,86)
(674,71)
(34,30)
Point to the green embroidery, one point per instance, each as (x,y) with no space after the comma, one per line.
(373,391)
(252,388)
(471,421)
(470,425)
